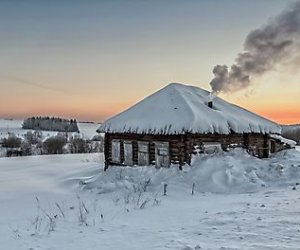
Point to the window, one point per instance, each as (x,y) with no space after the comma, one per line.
(128,153)
(162,154)
(212,147)
(143,153)
(115,151)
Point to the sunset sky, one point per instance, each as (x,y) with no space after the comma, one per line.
(92,59)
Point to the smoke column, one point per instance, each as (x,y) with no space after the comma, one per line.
(264,48)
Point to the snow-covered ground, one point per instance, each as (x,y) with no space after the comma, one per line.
(68,202)
(87,130)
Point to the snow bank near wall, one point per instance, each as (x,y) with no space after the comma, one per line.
(238,172)
(231,172)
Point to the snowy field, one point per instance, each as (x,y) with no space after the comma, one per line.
(87,130)
(67,202)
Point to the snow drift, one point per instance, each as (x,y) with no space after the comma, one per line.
(227,172)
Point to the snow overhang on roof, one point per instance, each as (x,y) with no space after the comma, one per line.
(289,142)
(179,109)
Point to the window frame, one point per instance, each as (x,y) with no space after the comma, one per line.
(116,148)
(162,160)
(128,160)
(145,152)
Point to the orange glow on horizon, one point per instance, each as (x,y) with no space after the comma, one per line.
(98,109)
(101,112)
(285,117)
(87,112)
(281,116)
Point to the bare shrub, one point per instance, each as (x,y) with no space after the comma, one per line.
(26,148)
(54,145)
(33,137)
(98,138)
(12,141)
(97,144)
(78,145)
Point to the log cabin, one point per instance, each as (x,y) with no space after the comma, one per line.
(177,121)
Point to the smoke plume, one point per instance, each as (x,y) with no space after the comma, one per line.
(264,48)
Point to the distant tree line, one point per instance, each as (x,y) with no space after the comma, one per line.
(50,124)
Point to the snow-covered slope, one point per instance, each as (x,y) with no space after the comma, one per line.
(87,130)
(179,108)
(240,202)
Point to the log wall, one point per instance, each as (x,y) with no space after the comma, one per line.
(278,145)
(174,144)
(183,146)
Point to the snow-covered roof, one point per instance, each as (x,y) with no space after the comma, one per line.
(289,142)
(178,108)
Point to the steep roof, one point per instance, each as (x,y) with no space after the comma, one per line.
(178,108)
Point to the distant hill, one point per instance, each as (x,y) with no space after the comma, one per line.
(291,132)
